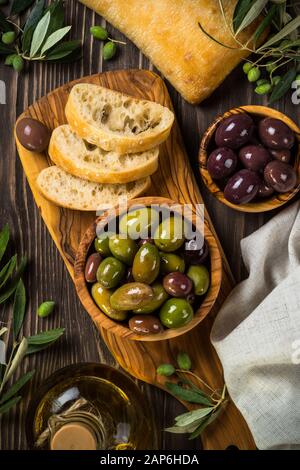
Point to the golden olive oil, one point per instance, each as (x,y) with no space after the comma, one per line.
(99,400)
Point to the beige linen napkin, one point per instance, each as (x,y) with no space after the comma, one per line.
(257,333)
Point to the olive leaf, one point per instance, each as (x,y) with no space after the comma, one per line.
(63,49)
(14,282)
(191,416)
(18,6)
(3,330)
(4,239)
(253,13)
(288,29)
(17,386)
(32,21)
(185,429)
(56,10)
(283,86)
(200,428)
(19,308)
(9,404)
(39,34)
(76,54)
(265,23)
(7,271)
(190,396)
(17,358)
(241,9)
(42,340)
(55,38)
(206,422)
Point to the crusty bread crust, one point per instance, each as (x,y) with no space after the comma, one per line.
(92,207)
(110,141)
(96,174)
(167,31)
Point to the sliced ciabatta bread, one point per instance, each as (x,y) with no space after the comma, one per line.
(118,122)
(75,193)
(87,161)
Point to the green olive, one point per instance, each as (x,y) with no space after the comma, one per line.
(124,249)
(101,296)
(159,297)
(169,235)
(184,361)
(109,50)
(99,33)
(102,243)
(200,277)
(8,37)
(131,296)
(176,313)
(254,74)
(18,63)
(166,370)
(137,223)
(110,272)
(170,263)
(146,264)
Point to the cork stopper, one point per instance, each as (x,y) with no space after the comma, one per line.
(73,436)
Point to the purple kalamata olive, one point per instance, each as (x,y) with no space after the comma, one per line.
(92,266)
(275,134)
(33,134)
(254,157)
(280,176)
(242,187)
(221,163)
(195,255)
(235,131)
(145,324)
(177,284)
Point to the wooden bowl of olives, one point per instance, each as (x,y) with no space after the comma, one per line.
(152,286)
(250,158)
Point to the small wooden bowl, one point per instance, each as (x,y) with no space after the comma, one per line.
(120,329)
(206,147)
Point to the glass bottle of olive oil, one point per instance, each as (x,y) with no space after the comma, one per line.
(89,407)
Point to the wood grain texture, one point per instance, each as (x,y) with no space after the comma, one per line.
(174,180)
(47,276)
(207,145)
(118,328)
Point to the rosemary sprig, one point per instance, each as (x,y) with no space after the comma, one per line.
(276,21)
(12,284)
(41,37)
(187,388)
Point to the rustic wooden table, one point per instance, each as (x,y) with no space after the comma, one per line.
(47,277)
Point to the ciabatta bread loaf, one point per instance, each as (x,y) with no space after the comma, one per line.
(75,193)
(78,157)
(117,122)
(168,32)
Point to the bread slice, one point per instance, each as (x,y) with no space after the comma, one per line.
(78,157)
(75,193)
(117,122)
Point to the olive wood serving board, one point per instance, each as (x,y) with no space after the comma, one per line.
(174,179)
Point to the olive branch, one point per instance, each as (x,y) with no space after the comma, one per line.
(11,284)
(278,21)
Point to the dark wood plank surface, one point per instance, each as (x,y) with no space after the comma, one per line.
(47,278)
